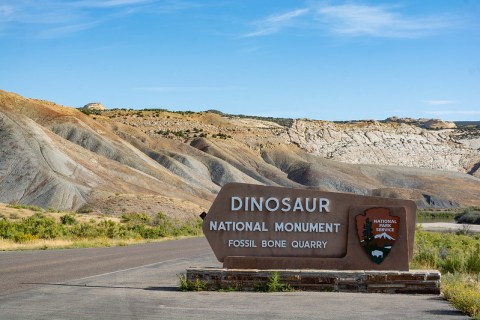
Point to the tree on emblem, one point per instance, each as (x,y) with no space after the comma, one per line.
(367,232)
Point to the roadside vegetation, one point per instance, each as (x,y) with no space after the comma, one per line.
(274,284)
(189,285)
(40,229)
(469,215)
(457,256)
(426,215)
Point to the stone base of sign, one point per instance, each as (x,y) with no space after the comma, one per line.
(410,282)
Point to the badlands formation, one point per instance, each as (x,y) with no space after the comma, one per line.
(115,161)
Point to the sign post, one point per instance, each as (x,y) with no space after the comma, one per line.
(314,240)
(259,227)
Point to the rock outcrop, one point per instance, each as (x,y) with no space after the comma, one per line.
(433,124)
(95,106)
(439,124)
(379,143)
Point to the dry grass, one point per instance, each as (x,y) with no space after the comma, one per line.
(18,214)
(40,244)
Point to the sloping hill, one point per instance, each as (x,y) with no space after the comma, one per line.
(150,161)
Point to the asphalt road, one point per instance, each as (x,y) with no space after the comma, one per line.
(140,282)
(449,227)
(25,269)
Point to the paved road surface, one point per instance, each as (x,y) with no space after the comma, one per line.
(449,227)
(139,282)
(24,269)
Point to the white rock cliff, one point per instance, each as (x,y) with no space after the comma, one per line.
(372,142)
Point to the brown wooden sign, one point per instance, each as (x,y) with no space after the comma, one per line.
(260,227)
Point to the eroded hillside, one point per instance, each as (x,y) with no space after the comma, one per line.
(122,161)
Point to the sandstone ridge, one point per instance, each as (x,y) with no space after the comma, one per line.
(95,106)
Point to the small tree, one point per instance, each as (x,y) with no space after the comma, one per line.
(367,232)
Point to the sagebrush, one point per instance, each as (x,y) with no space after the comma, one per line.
(133,226)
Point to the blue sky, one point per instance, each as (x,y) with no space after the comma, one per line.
(330,60)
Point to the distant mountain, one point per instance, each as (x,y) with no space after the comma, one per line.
(384,235)
(468,123)
(116,161)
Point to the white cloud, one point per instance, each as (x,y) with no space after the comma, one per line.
(108,3)
(275,23)
(26,13)
(355,20)
(6,11)
(439,102)
(66,29)
(377,21)
(454,112)
(56,18)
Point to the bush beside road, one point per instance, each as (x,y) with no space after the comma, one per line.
(37,229)
(457,256)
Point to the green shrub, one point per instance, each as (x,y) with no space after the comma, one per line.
(452,263)
(113,230)
(22,237)
(463,292)
(458,258)
(189,285)
(427,257)
(468,216)
(136,218)
(274,284)
(42,226)
(7,229)
(68,219)
(447,252)
(86,230)
(133,226)
(37,226)
(221,136)
(85,210)
(14,216)
(472,263)
(436,215)
(90,111)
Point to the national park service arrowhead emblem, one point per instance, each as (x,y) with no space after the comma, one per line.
(377,231)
